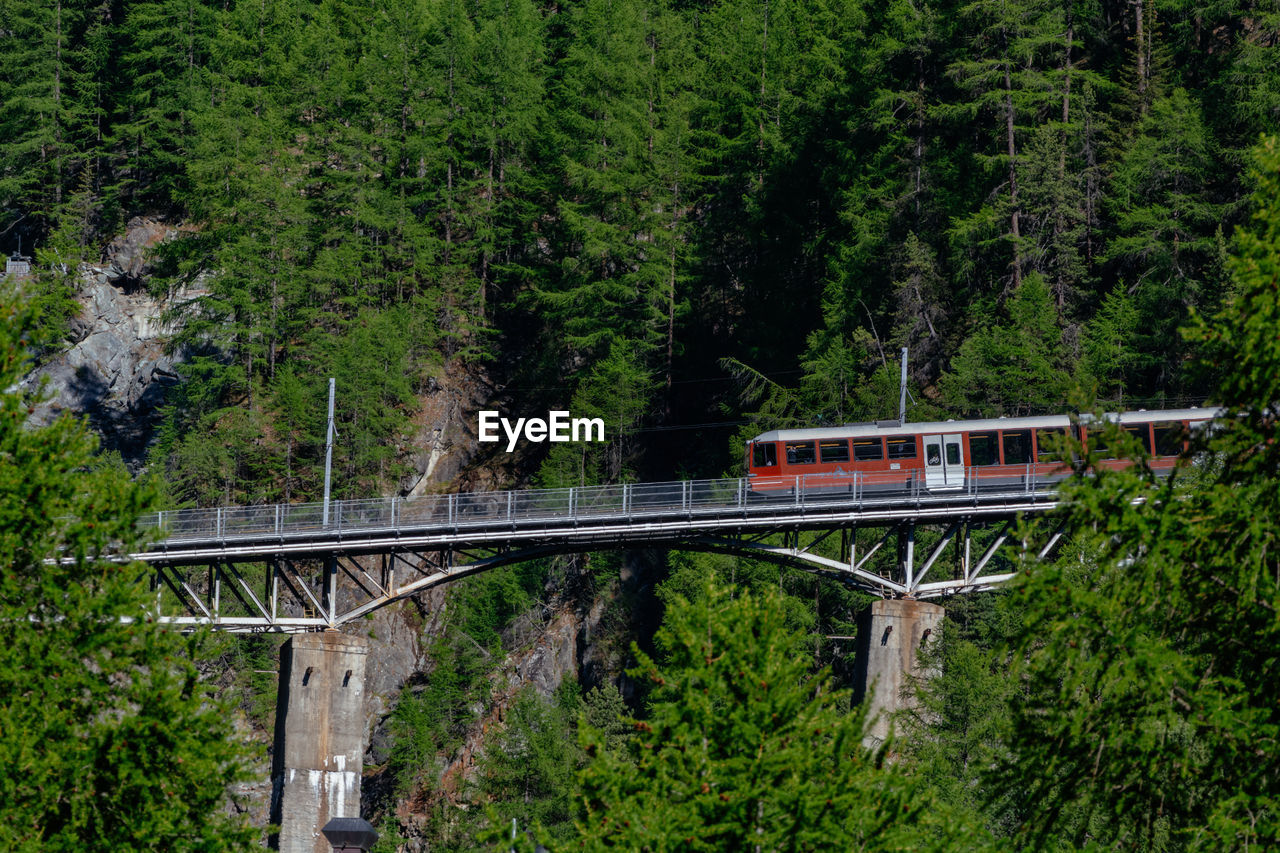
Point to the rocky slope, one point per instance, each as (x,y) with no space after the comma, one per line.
(117,365)
(115,370)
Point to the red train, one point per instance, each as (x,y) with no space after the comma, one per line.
(947,455)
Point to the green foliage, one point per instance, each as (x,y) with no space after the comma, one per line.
(1150,717)
(742,746)
(605,712)
(617,390)
(431,718)
(958,728)
(1110,357)
(1168,236)
(528,771)
(1013,367)
(112,740)
(251,665)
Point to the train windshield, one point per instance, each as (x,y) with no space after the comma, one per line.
(764,454)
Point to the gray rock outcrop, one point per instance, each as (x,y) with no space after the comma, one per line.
(117,366)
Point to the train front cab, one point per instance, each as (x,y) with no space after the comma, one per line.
(763,471)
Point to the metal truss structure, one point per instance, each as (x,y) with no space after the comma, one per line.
(276,568)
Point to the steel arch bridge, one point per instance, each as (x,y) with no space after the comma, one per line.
(306,567)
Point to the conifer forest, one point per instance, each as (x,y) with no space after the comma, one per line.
(696,220)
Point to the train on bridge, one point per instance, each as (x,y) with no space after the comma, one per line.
(953,455)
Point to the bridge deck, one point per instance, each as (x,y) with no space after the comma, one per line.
(589,516)
(199,555)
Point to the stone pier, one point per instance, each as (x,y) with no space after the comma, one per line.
(319,738)
(890,633)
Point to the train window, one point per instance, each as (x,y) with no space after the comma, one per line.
(902,448)
(983,449)
(1098,443)
(1017,447)
(800,453)
(1169,437)
(833,451)
(764,454)
(1142,433)
(1047,441)
(865,449)
(953,453)
(933,456)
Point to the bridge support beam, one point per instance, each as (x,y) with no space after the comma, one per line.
(319,738)
(890,634)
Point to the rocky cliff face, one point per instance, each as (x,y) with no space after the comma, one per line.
(115,371)
(117,366)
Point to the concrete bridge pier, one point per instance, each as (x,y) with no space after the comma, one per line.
(319,738)
(890,634)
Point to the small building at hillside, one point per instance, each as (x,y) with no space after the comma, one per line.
(17,266)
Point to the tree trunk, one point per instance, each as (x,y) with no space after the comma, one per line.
(1140,38)
(1013,177)
(1059,281)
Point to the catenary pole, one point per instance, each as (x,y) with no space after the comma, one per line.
(902,396)
(328,455)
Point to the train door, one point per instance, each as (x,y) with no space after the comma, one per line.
(943,462)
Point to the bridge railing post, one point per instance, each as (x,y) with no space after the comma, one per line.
(218,525)
(452,502)
(573,503)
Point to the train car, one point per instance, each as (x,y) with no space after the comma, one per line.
(948,455)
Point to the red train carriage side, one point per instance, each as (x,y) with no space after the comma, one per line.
(945,455)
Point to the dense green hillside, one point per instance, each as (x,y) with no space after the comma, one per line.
(729,215)
(595,196)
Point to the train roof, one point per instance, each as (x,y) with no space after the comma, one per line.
(929,427)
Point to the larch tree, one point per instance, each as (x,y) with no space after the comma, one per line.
(742,747)
(111,740)
(1149,716)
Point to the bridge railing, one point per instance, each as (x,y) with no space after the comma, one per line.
(592,503)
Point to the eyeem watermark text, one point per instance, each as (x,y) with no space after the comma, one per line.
(557,426)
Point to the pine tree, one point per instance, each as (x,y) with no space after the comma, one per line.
(1167,226)
(743,747)
(1109,360)
(114,741)
(164,61)
(1018,72)
(1015,367)
(1147,721)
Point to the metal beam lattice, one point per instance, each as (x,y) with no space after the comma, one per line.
(298,567)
